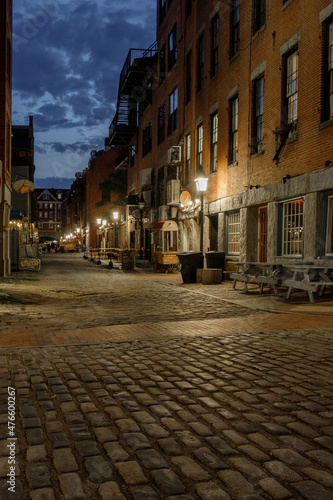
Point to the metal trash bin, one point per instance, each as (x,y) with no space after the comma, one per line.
(190,262)
(216,260)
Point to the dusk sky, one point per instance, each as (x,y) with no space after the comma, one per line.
(67,57)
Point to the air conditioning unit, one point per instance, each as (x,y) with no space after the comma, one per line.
(152,216)
(175,154)
(145,177)
(147,197)
(173,192)
(163,212)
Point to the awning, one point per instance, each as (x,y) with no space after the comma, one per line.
(166,225)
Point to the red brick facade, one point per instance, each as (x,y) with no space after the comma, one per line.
(286,43)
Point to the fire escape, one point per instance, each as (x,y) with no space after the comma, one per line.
(133,89)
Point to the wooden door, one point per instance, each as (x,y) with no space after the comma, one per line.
(263,234)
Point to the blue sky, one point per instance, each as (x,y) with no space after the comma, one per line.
(67,56)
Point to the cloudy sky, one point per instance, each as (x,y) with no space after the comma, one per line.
(67,56)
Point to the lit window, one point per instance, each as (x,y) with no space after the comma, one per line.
(291,87)
(173,111)
(45,215)
(234,233)
(213,142)
(199,147)
(292,228)
(258,115)
(233,135)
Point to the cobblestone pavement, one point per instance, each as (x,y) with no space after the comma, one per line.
(219,408)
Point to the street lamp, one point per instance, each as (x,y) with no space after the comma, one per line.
(201,185)
(141,207)
(115,218)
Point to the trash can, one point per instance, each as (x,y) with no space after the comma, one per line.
(190,262)
(216,260)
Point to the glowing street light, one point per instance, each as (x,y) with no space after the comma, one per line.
(201,185)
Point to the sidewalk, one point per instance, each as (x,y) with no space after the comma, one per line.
(233,403)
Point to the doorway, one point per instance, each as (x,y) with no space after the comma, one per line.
(263,234)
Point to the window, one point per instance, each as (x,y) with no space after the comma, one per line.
(146,139)
(161,124)
(233,233)
(162,10)
(40,205)
(51,215)
(40,225)
(59,215)
(188,76)
(46,196)
(162,64)
(188,7)
(233,139)
(329,227)
(328,72)
(172,55)
(46,205)
(51,224)
(213,142)
(199,147)
(173,109)
(258,115)
(187,158)
(40,214)
(215,46)
(45,215)
(292,228)
(259,14)
(201,51)
(51,205)
(59,196)
(235,17)
(291,87)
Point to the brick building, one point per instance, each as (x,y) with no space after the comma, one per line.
(105,188)
(245,90)
(49,212)
(5,132)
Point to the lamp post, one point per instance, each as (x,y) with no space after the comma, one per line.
(201,185)
(115,218)
(141,207)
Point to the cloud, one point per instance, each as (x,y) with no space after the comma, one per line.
(67,57)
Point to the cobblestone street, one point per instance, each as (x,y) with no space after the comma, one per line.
(178,393)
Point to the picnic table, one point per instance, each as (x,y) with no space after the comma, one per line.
(309,278)
(259,273)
